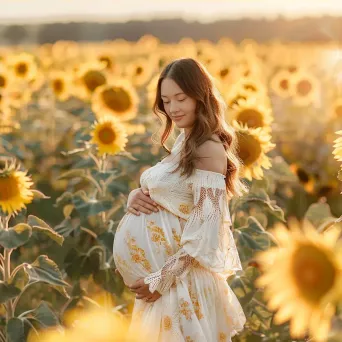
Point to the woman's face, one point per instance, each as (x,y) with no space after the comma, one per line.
(178,106)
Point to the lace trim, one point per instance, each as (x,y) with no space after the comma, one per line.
(176,266)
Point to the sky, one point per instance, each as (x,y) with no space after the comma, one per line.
(29,11)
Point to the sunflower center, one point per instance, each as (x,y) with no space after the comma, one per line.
(2,81)
(304,87)
(94,79)
(302,175)
(292,69)
(284,84)
(9,188)
(139,70)
(117,99)
(58,86)
(106,135)
(313,271)
(251,117)
(22,68)
(224,72)
(338,111)
(107,61)
(249,149)
(250,87)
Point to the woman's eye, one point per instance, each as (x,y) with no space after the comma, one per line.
(165,102)
(182,100)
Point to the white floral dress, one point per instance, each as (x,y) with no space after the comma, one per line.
(185,251)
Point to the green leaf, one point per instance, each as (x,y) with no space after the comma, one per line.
(15,236)
(40,226)
(259,197)
(319,215)
(107,240)
(81,264)
(90,207)
(72,174)
(8,291)
(67,226)
(45,270)
(15,330)
(39,195)
(64,199)
(109,281)
(20,279)
(43,315)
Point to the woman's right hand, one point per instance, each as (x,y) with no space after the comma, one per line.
(139,201)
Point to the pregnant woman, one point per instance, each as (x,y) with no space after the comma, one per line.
(177,259)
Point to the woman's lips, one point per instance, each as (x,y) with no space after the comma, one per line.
(178,118)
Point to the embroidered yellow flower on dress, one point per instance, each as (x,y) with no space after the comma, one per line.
(302,278)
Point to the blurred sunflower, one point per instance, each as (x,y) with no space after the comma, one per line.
(117,99)
(251,85)
(15,188)
(252,113)
(307,180)
(253,144)
(302,278)
(89,77)
(305,88)
(61,84)
(7,123)
(151,90)
(109,135)
(5,79)
(139,71)
(18,97)
(22,66)
(338,147)
(281,83)
(336,108)
(110,325)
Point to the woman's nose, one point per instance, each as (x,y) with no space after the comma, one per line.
(173,107)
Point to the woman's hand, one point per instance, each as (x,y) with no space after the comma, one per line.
(139,201)
(142,291)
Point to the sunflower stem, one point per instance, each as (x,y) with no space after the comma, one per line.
(21,293)
(16,270)
(7,275)
(95,160)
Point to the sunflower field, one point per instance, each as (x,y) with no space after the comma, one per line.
(77,130)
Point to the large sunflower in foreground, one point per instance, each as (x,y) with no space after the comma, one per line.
(338,147)
(302,278)
(109,135)
(117,99)
(22,66)
(253,144)
(15,188)
(252,113)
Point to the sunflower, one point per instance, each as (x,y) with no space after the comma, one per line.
(15,188)
(7,122)
(307,180)
(89,77)
(281,83)
(22,66)
(253,144)
(109,135)
(117,99)
(61,84)
(151,90)
(302,278)
(338,147)
(139,71)
(252,113)
(336,108)
(305,88)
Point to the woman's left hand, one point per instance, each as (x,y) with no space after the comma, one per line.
(143,292)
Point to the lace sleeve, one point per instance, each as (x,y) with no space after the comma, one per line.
(206,239)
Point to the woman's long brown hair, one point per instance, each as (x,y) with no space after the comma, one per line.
(196,82)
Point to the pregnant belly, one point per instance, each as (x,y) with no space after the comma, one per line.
(142,244)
